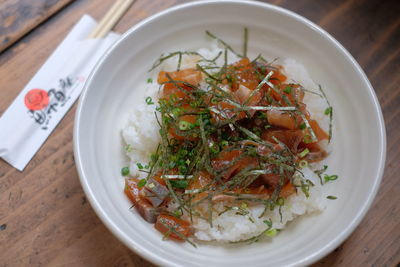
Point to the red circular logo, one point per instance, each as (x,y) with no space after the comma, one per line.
(36,99)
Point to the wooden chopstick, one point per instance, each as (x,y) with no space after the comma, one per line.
(106,18)
(114,19)
(111,18)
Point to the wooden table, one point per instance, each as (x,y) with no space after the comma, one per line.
(45,218)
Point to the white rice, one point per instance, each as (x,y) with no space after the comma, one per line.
(142,137)
(141,133)
(230,226)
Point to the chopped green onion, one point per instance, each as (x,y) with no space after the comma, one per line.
(328,111)
(176,112)
(303,126)
(149,100)
(214,149)
(178,213)
(125,171)
(307,139)
(303,153)
(182,152)
(184,125)
(271,232)
(141,183)
(288,90)
(243,206)
(139,165)
(214,100)
(181,162)
(182,184)
(256,131)
(149,80)
(303,164)
(262,115)
(268,222)
(151,185)
(331,197)
(182,169)
(224,143)
(328,178)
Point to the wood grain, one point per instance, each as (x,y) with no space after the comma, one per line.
(18,17)
(45,219)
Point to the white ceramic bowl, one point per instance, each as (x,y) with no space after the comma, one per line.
(359,146)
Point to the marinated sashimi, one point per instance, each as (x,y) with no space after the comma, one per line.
(238,151)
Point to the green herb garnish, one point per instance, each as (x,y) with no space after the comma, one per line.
(328,178)
(303,164)
(182,184)
(141,183)
(149,101)
(271,232)
(125,171)
(184,125)
(140,166)
(287,90)
(304,153)
(222,123)
(328,111)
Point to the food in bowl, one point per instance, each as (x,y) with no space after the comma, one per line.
(226,148)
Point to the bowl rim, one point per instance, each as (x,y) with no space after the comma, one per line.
(153,257)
